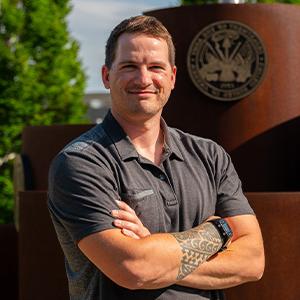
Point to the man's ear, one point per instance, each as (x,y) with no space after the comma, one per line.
(173,76)
(105,76)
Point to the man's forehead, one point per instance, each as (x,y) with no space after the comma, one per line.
(141,47)
(126,38)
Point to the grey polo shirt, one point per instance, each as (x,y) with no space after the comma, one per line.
(195,180)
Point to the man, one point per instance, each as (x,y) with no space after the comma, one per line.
(136,204)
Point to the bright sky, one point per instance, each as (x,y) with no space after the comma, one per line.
(90,23)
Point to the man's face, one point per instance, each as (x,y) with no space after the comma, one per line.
(141,77)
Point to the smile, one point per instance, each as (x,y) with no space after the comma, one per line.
(142,92)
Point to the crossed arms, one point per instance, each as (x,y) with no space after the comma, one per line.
(134,259)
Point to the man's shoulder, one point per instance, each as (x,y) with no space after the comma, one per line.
(89,146)
(95,135)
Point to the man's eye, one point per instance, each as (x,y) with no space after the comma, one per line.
(128,67)
(156,68)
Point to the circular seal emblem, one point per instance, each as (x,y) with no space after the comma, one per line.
(226,60)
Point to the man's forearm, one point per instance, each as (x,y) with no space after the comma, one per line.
(243,261)
(197,245)
(167,260)
(156,261)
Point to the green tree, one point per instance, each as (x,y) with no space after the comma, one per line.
(41,78)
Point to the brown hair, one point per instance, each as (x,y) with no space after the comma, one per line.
(139,24)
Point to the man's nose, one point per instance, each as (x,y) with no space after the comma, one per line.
(143,76)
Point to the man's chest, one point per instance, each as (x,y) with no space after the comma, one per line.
(173,197)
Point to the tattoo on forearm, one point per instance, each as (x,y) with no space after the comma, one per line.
(197,245)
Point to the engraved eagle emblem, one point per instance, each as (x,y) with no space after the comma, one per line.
(225,59)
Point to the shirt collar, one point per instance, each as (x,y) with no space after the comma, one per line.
(125,147)
(120,139)
(171,147)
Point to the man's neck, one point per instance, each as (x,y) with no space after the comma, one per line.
(146,136)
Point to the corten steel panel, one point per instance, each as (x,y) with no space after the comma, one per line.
(8,262)
(41,262)
(39,146)
(274,102)
(278,214)
(271,161)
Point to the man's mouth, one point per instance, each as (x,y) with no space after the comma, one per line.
(142,92)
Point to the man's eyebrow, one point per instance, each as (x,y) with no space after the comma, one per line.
(127,62)
(157,62)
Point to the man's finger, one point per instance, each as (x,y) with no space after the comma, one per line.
(138,230)
(126,216)
(125,206)
(127,225)
(130,234)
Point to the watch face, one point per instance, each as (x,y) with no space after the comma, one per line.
(224,231)
(225,227)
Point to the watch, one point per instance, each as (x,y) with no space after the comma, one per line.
(224,230)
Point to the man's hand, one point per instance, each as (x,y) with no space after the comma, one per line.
(129,222)
(131,225)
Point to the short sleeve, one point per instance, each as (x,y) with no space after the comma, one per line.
(231,200)
(82,193)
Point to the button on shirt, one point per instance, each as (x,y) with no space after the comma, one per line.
(162,177)
(195,180)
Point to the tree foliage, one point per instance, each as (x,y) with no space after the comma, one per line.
(41,77)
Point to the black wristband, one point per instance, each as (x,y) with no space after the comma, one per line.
(224,230)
